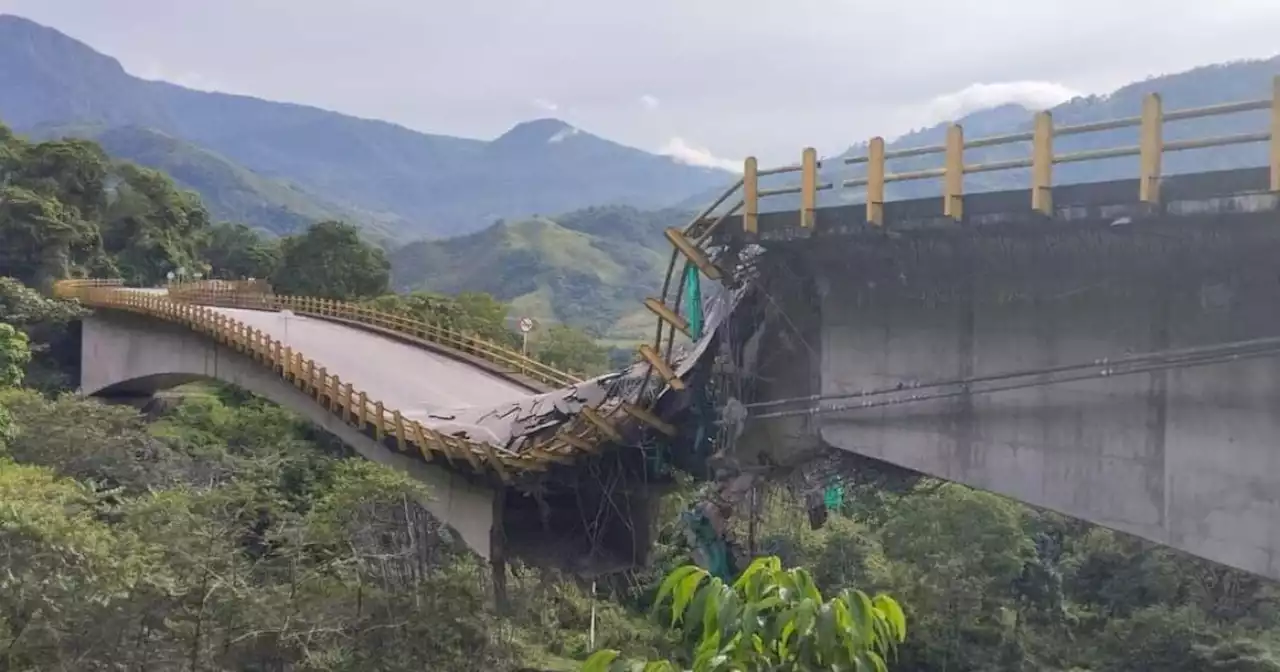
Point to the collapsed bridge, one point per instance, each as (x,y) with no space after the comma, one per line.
(1103,349)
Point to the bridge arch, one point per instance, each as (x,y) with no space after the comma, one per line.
(126,355)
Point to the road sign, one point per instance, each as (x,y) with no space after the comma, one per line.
(526,325)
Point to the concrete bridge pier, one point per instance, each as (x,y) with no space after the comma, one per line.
(1185,457)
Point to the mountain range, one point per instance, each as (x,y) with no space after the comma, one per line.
(304,162)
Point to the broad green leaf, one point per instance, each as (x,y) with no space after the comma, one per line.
(600,661)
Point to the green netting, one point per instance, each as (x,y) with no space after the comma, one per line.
(833,496)
(693,300)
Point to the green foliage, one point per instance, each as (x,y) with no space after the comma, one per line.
(222,537)
(230,191)
(568,349)
(45,322)
(468,313)
(65,209)
(235,251)
(331,261)
(588,269)
(14,355)
(37,234)
(773,619)
(88,441)
(152,227)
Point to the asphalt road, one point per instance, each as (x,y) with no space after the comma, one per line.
(400,375)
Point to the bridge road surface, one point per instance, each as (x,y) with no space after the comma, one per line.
(402,376)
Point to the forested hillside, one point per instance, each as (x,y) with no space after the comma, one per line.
(589,268)
(433,185)
(228,190)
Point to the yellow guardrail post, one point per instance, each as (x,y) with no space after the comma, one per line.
(953,178)
(1042,164)
(1150,147)
(808,187)
(875,181)
(750,196)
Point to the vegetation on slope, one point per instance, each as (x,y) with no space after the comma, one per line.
(589,268)
(229,191)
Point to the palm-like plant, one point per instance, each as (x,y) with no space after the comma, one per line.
(770,619)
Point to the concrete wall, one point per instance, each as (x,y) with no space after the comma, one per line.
(1189,458)
(123,354)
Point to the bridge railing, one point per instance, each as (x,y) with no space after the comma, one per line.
(256,295)
(1150,150)
(385,425)
(745,195)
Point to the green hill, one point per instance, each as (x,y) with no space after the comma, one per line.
(590,268)
(230,192)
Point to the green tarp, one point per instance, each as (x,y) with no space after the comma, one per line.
(693,300)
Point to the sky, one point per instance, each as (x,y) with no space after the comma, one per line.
(708,81)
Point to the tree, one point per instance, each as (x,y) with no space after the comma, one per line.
(771,619)
(37,236)
(14,355)
(331,261)
(46,322)
(470,312)
(153,227)
(236,251)
(568,349)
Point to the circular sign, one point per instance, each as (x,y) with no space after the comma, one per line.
(526,324)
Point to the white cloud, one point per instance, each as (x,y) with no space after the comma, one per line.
(649,102)
(563,133)
(190,80)
(681,151)
(545,105)
(1030,94)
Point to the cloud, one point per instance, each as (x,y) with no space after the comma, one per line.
(190,80)
(681,151)
(566,132)
(545,105)
(649,102)
(1030,94)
